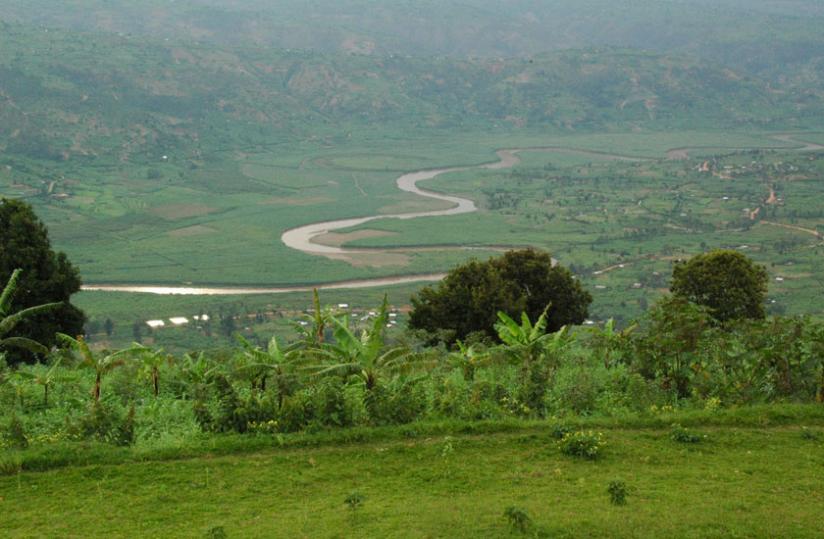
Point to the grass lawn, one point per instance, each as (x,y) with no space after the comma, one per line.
(745,479)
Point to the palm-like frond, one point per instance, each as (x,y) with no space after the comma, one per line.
(78,345)
(24,344)
(8,323)
(41,378)
(103,364)
(511,333)
(196,368)
(7,295)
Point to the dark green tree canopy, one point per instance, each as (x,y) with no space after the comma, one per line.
(47,277)
(469,298)
(728,283)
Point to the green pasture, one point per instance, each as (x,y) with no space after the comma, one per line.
(748,477)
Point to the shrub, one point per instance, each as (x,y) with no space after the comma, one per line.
(577,387)
(582,444)
(10,463)
(626,391)
(518,519)
(618,492)
(559,430)
(101,422)
(452,395)
(807,434)
(681,435)
(217,532)
(296,411)
(398,402)
(203,415)
(232,416)
(15,434)
(124,434)
(329,403)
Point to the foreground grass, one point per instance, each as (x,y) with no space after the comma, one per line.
(758,476)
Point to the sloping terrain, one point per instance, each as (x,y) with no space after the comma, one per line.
(68,95)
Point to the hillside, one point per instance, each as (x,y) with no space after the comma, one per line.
(81,96)
(720,29)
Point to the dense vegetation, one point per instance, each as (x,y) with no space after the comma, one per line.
(345,373)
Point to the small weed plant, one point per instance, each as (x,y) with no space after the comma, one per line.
(559,430)
(684,436)
(15,434)
(354,501)
(10,463)
(582,444)
(518,519)
(618,492)
(217,532)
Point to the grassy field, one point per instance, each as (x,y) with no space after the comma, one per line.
(756,473)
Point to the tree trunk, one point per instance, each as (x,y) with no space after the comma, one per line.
(96,390)
(155,381)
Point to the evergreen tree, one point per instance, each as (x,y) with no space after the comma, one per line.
(470,296)
(47,277)
(727,283)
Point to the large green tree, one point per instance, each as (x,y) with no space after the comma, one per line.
(524,281)
(728,283)
(47,277)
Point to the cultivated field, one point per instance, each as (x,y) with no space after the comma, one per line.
(618,223)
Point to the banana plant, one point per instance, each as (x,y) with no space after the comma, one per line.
(196,369)
(8,321)
(537,353)
(468,358)
(197,372)
(273,361)
(152,360)
(529,342)
(312,329)
(18,384)
(101,365)
(362,355)
(43,378)
(610,342)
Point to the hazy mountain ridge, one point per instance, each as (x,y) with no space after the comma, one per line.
(427,28)
(78,94)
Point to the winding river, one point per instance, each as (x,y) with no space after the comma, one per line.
(304,238)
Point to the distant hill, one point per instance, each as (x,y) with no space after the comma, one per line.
(84,95)
(740,33)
